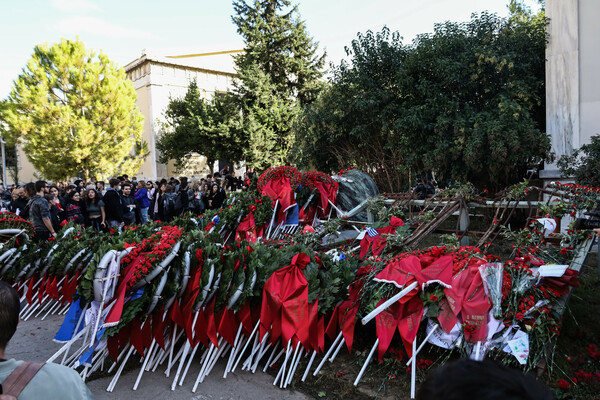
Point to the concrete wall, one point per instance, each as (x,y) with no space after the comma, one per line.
(589,69)
(572,76)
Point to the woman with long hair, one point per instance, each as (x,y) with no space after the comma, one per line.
(157,202)
(216,197)
(74,212)
(59,202)
(94,208)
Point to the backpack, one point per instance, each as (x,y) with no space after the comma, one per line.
(169,204)
(178,203)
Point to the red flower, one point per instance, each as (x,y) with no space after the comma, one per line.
(563,384)
(433,298)
(519,315)
(469,329)
(593,352)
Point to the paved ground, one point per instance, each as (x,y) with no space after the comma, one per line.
(33,342)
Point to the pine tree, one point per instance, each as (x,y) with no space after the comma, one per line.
(75,114)
(278,73)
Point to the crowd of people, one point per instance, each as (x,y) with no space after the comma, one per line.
(120,202)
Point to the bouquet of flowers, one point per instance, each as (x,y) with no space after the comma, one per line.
(291,173)
(10,221)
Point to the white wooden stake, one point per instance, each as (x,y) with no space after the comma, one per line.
(246,345)
(291,368)
(189,363)
(331,349)
(364,367)
(413,372)
(148,354)
(233,351)
(337,350)
(269,360)
(389,302)
(312,358)
(414,356)
(186,348)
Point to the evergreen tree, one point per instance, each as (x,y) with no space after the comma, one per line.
(278,73)
(209,128)
(75,114)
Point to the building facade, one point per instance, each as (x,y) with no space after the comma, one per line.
(156,80)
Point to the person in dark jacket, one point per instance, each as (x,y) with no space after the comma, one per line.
(19,200)
(54,212)
(112,204)
(128,204)
(74,208)
(168,200)
(157,202)
(182,199)
(94,210)
(59,202)
(216,197)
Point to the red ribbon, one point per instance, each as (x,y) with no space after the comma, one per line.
(70,287)
(29,295)
(279,188)
(228,326)
(327,192)
(284,309)
(246,229)
(158,330)
(114,315)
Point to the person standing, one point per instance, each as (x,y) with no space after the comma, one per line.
(168,200)
(54,211)
(112,204)
(19,200)
(141,200)
(216,197)
(157,202)
(94,209)
(100,188)
(39,213)
(128,204)
(47,381)
(74,211)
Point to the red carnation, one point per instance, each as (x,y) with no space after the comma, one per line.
(563,384)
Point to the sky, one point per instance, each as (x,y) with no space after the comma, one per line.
(123,29)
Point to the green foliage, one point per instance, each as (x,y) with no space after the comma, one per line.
(583,164)
(465,102)
(278,72)
(206,127)
(68,102)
